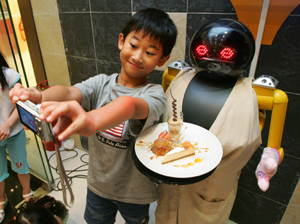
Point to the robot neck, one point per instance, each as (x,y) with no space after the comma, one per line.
(215,77)
(205,97)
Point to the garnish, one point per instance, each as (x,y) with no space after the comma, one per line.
(174,106)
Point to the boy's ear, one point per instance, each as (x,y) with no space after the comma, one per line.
(121,41)
(163,60)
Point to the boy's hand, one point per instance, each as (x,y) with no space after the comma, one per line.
(18,92)
(72,118)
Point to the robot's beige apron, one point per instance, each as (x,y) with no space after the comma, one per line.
(237,128)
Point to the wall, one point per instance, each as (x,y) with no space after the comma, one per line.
(90,29)
(48,28)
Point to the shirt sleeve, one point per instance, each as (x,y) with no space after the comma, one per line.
(157,102)
(91,89)
(12,77)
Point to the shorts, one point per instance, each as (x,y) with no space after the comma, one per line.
(103,211)
(16,149)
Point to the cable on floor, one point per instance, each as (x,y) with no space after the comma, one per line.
(68,172)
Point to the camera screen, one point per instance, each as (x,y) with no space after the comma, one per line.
(27,119)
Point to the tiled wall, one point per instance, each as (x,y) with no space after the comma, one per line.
(90,31)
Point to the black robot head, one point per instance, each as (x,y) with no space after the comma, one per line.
(223,46)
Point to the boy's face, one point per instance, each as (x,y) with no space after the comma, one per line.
(139,56)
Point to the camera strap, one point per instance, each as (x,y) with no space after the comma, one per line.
(65,185)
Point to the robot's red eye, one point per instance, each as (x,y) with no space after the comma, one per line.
(227,53)
(200,51)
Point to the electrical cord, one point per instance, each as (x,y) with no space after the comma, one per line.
(68,172)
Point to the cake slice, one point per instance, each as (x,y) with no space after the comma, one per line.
(178,155)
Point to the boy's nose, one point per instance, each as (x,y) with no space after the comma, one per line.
(137,57)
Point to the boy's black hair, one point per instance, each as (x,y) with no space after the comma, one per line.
(155,22)
(40,210)
(3,63)
(36,214)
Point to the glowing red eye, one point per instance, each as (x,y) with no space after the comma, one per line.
(227,53)
(200,51)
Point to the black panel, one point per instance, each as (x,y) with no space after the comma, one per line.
(166,5)
(224,6)
(250,208)
(107,27)
(77,34)
(155,77)
(111,5)
(81,69)
(72,5)
(108,68)
(281,59)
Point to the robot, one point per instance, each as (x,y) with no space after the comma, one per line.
(215,94)
(221,51)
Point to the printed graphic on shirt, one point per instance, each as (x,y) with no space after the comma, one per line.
(113,136)
(117,137)
(116,131)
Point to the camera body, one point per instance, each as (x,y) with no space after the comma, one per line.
(29,116)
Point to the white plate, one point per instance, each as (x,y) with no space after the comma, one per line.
(208,149)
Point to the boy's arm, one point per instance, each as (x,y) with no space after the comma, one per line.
(73,119)
(5,127)
(62,93)
(119,110)
(55,93)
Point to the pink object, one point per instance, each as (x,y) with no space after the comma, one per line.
(267,167)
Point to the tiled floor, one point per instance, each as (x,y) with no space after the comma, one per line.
(79,186)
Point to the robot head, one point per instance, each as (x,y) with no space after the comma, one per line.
(223,46)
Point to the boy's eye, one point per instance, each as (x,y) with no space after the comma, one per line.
(149,53)
(132,45)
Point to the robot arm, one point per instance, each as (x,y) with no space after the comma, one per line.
(275,100)
(270,98)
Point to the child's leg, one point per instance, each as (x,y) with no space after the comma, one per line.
(25,182)
(3,175)
(99,210)
(3,169)
(134,213)
(3,201)
(18,155)
(2,194)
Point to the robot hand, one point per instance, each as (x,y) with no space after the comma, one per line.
(267,167)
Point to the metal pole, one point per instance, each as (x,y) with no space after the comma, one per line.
(260,32)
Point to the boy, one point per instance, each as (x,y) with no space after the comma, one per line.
(120,107)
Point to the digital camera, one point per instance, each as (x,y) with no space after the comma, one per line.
(29,116)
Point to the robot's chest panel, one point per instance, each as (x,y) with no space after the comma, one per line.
(204,99)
